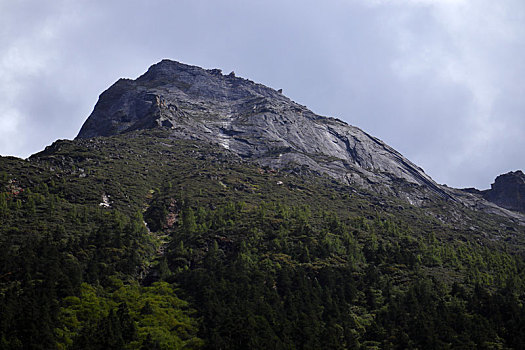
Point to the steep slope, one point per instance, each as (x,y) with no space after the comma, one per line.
(253,121)
(238,256)
(260,124)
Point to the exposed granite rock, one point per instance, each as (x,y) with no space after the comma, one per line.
(508,191)
(251,120)
(260,124)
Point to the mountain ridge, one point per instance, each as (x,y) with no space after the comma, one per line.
(261,124)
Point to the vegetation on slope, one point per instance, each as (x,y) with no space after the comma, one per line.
(140,241)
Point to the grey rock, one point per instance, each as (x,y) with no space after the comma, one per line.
(508,191)
(262,125)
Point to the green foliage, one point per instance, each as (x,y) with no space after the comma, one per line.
(230,259)
(127,317)
(295,279)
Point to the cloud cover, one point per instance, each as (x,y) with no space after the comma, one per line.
(439,80)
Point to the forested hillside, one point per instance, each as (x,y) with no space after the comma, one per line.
(141,241)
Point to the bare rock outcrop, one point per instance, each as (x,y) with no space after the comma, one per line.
(259,124)
(508,191)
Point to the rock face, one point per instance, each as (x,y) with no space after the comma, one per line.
(508,191)
(262,125)
(253,121)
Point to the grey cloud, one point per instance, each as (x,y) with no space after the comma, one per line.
(409,72)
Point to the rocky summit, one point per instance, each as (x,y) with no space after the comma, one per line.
(251,120)
(260,124)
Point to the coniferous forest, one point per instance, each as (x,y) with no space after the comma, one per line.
(139,241)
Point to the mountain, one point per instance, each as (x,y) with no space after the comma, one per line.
(251,120)
(260,124)
(200,210)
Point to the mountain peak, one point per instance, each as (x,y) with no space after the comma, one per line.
(171,70)
(254,121)
(260,124)
(168,92)
(205,83)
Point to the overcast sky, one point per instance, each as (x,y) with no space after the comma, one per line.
(441,81)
